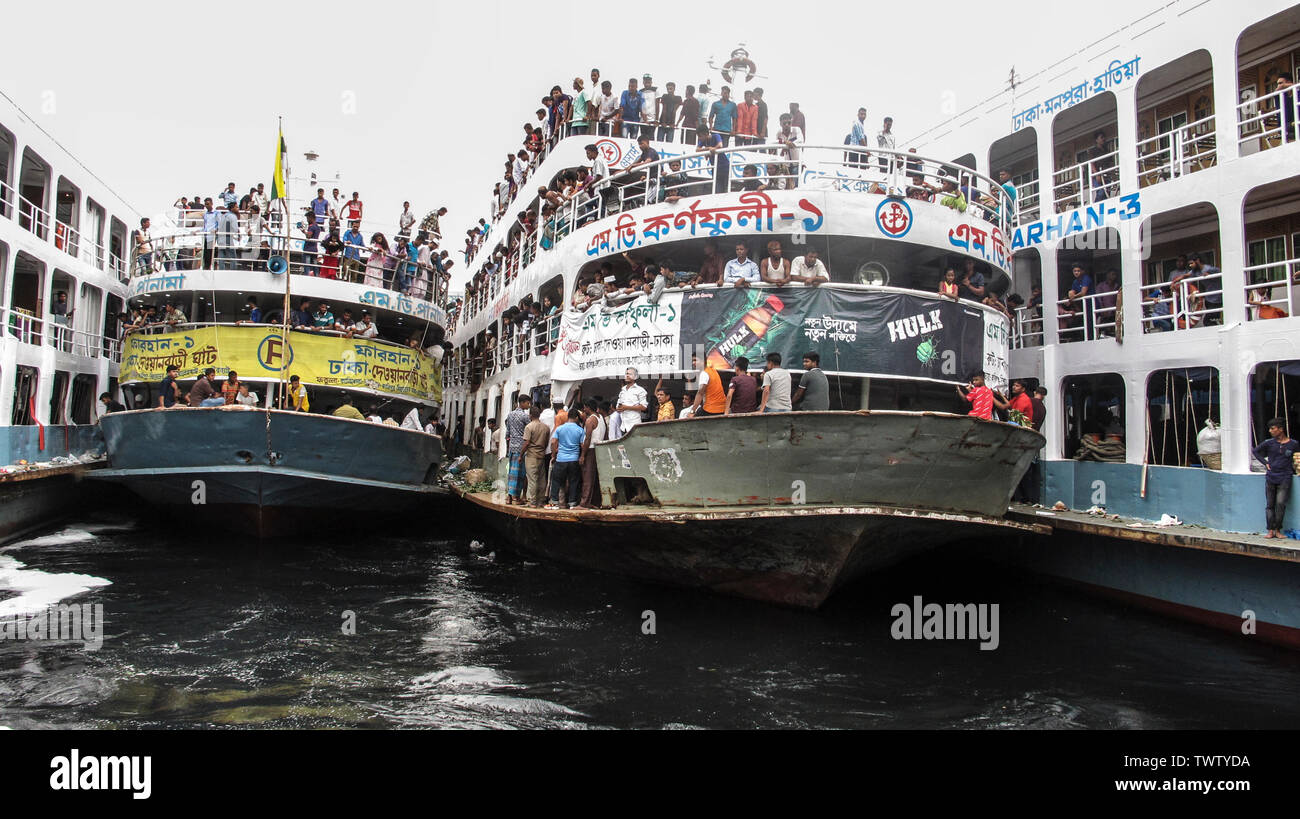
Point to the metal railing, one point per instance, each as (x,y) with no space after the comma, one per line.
(1027,209)
(1027,329)
(1186,149)
(1269,120)
(29,328)
(700,173)
(1087,318)
(249,245)
(32,217)
(1261,301)
(1090,181)
(7,197)
(1181,306)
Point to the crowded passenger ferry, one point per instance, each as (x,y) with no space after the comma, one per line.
(288,351)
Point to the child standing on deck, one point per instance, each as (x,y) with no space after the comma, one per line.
(1277,453)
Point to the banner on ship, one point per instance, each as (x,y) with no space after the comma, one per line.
(604,343)
(258,352)
(861,333)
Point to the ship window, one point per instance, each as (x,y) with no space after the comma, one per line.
(25,383)
(1179,402)
(83,399)
(1093,410)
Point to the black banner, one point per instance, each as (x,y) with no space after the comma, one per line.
(863,333)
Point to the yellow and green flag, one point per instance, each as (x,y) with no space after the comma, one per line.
(278,189)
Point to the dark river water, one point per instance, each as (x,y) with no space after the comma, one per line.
(217,631)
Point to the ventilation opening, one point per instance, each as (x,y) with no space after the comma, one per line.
(633,492)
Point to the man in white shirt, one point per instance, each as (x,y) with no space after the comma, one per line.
(405,221)
(412,420)
(606,107)
(520,168)
(548,417)
(741,271)
(776,386)
(809,269)
(365,328)
(260,198)
(632,401)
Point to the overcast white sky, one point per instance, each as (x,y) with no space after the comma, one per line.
(423,101)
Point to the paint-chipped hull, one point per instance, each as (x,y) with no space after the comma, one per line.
(793,556)
(298,474)
(908,460)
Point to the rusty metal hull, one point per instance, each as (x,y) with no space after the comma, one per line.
(793,556)
(909,460)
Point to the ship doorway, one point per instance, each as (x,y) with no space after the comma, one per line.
(29,284)
(82,406)
(1086,168)
(25,383)
(1168,240)
(1273,250)
(1027,282)
(1096,314)
(7,197)
(1093,411)
(1017,154)
(59,398)
(1179,402)
(1274,393)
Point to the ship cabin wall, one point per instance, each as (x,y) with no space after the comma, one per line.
(1201,164)
(60,230)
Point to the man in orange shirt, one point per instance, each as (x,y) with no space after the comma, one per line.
(710,397)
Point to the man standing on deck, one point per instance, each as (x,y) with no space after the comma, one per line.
(536,439)
(632,401)
(722,117)
(1278,454)
(630,105)
(814,393)
(742,392)
(566,481)
(776,386)
(515,423)
(594,428)
(741,271)
(979,396)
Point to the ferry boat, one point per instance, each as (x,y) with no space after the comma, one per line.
(63,281)
(1172,136)
(336,324)
(778,507)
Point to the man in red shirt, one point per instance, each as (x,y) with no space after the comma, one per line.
(747,121)
(979,396)
(1020,401)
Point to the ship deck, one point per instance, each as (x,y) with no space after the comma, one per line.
(682,514)
(1186,536)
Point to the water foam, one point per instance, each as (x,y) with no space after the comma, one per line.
(63,538)
(37,590)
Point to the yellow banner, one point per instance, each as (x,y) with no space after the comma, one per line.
(257,352)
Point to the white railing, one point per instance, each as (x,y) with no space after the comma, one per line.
(1265,119)
(33,218)
(31,329)
(1275,276)
(1088,182)
(7,198)
(67,238)
(700,173)
(1027,202)
(1182,305)
(1027,329)
(249,246)
(1087,318)
(1186,149)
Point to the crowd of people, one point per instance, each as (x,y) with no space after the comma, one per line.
(230,232)
(210,391)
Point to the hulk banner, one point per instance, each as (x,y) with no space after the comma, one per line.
(888,334)
(257,352)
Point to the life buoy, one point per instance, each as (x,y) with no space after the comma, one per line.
(60,231)
(736,63)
